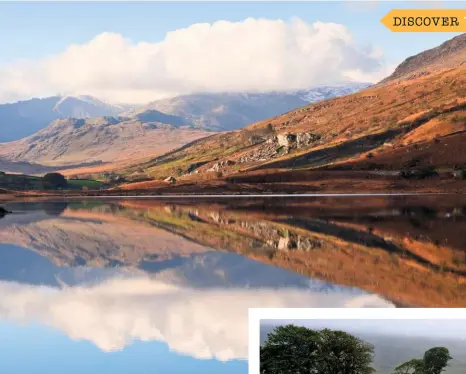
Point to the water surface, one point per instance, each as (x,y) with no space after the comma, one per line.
(164,285)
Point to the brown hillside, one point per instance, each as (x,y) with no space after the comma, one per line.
(417,121)
(379,120)
(447,55)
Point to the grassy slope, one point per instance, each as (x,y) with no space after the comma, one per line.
(380,120)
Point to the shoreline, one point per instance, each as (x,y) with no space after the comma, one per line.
(13,197)
(295,185)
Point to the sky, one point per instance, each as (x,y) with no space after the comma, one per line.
(433,328)
(135,52)
(39,344)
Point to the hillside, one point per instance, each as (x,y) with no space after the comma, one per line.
(80,144)
(24,118)
(231,111)
(426,114)
(71,142)
(447,55)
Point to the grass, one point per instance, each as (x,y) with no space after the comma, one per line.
(21,182)
(89,183)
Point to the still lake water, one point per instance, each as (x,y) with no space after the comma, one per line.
(164,285)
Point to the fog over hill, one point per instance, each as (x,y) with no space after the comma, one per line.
(234,110)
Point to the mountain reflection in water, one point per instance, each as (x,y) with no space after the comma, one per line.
(184,272)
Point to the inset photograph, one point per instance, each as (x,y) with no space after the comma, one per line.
(362,346)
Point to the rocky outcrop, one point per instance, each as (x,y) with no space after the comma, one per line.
(221,165)
(279,145)
(264,152)
(286,140)
(304,139)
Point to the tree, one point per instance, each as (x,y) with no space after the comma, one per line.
(436,360)
(343,353)
(290,349)
(410,367)
(54,180)
(298,350)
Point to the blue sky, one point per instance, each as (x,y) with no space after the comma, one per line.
(32,30)
(39,345)
(241,56)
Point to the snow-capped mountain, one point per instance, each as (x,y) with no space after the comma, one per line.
(230,111)
(71,130)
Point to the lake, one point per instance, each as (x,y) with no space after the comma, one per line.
(146,285)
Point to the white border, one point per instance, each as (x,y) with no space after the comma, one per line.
(257,314)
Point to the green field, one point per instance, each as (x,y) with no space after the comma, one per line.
(21,182)
(89,183)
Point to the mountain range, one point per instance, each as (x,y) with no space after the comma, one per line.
(24,118)
(230,111)
(83,130)
(416,118)
(389,136)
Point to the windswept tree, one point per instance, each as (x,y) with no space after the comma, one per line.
(435,361)
(298,350)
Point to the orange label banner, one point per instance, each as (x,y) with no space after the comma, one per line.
(426,20)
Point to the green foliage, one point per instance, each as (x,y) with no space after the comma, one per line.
(290,349)
(435,361)
(344,353)
(54,180)
(410,367)
(88,183)
(299,350)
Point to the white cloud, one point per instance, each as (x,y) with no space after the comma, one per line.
(204,323)
(255,54)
